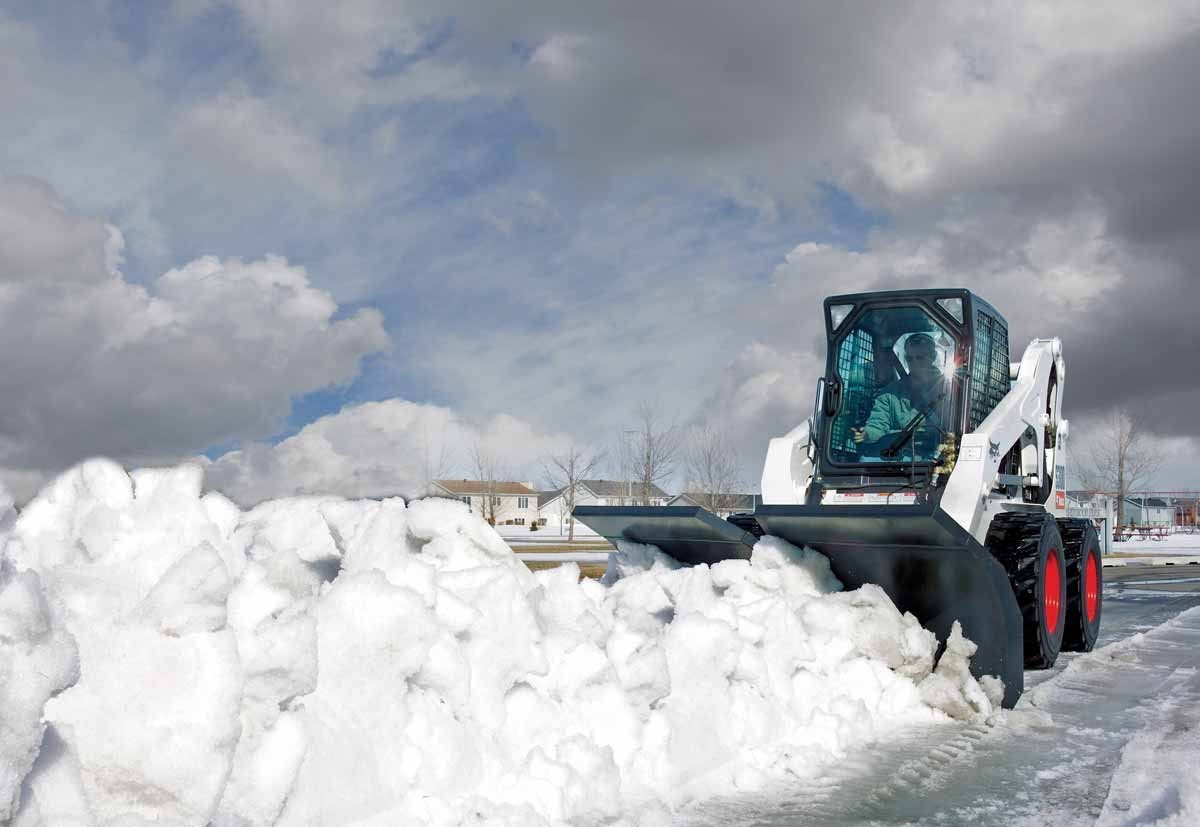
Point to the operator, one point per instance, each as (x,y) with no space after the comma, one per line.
(899,402)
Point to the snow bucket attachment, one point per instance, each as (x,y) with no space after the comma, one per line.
(690,534)
(927,563)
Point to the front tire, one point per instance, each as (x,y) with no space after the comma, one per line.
(1085,585)
(1030,548)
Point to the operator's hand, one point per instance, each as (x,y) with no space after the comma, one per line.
(859,434)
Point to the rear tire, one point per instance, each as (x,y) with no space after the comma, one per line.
(1031,551)
(1085,585)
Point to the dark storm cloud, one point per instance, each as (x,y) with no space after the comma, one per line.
(986,141)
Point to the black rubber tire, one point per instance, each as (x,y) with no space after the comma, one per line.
(1023,543)
(1080,541)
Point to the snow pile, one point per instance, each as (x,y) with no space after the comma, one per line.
(37,659)
(316,660)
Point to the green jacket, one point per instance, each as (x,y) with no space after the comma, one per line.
(894,409)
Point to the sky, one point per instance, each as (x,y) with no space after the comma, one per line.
(334,247)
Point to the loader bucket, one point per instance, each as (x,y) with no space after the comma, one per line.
(927,564)
(690,534)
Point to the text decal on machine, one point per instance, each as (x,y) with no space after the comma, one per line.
(835,497)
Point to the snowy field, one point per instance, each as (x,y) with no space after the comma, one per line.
(1180,542)
(1179,547)
(168,658)
(518,535)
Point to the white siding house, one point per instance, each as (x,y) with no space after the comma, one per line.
(1149,511)
(515,503)
(555,515)
(726,504)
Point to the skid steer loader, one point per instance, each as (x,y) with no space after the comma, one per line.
(931,466)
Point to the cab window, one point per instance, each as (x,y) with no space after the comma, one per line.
(894,364)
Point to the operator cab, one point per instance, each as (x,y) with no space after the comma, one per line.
(907,373)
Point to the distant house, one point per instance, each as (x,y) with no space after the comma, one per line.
(1149,511)
(553,509)
(721,504)
(514,503)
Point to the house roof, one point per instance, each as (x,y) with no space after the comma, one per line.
(620,488)
(480,487)
(736,502)
(603,488)
(1149,502)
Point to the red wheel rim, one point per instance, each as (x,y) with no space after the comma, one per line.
(1052,584)
(1091,586)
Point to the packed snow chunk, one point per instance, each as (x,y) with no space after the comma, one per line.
(373,638)
(140,575)
(634,558)
(191,595)
(271,611)
(73,519)
(153,722)
(103,544)
(375,536)
(952,689)
(804,571)
(53,792)
(295,524)
(264,770)
(443,527)
(37,659)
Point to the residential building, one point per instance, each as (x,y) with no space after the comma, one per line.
(720,504)
(513,503)
(1141,510)
(554,513)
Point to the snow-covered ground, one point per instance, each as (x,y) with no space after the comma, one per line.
(1179,547)
(167,657)
(563,556)
(1110,737)
(517,535)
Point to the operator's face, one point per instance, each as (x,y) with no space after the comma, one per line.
(922,366)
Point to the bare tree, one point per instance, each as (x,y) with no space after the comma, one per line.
(621,464)
(435,460)
(565,470)
(711,468)
(489,475)
(1121,459)
(649,452)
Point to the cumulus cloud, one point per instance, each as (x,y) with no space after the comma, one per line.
(211,352)
(380,449)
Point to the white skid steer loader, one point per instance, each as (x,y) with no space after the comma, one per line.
(931,466)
